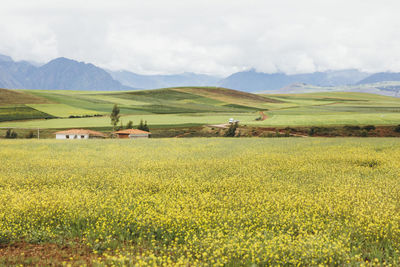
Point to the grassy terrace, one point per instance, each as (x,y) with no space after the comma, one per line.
(194,106)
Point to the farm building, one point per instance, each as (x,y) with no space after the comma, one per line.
(78,134)
(132,134)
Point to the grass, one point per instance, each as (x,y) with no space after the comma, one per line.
(16,113)
(214,201)
(333,119)
(9,97)
(154,120)
(160,101)
(209,105)
(62,110)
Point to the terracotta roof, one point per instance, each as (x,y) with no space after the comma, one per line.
(81,131)
(132,131)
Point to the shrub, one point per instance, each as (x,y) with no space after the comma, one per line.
(30,135)
(312,131)
(10,134)
(352,128)
(369,127)
(397,129)
(231,130)
(364,133)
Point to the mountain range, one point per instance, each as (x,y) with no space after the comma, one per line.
(66,74)
(60,73)
(251,80)
(162,81)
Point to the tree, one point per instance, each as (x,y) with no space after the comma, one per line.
(129,125)
(10,134)
(141,125)
(145,127)
(121,126)
(231,130)
(115,116)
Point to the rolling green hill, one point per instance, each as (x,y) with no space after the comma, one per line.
(13,106)
(160,101)
(193,106)
(177,105)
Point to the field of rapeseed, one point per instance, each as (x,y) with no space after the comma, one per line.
(207,201)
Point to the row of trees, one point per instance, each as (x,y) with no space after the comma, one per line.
(115,119)
(11,134)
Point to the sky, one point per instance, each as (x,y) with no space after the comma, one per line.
(216,37)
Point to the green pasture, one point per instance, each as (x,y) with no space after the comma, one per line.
(331,119)
(195,106)
(282,119)
(8,113)
(152,119)
(161,101)
(62,110)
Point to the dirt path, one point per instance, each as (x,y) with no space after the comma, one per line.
(263,116)
(223,126)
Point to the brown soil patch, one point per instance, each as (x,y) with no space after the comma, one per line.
(45,254)
(213,92)
(11,97)
(263,116)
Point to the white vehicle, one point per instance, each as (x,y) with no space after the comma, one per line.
(232,120)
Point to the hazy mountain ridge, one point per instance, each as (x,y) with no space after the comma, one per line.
(162,81)
(67,74)
(381,77)
(251,80)
(60,74)
(387,88)
(14,74)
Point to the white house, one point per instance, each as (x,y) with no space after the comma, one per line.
(78,134)
(132,134)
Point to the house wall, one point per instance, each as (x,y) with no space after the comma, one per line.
(138,136)
(72,136)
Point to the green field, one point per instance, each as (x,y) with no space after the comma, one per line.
(21,112)
(194,106)
(152,119)
(200,202)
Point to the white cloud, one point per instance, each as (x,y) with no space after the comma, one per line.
(215,37)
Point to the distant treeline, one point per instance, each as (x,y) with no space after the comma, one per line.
(84,116)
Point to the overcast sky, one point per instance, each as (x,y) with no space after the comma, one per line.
(206,36)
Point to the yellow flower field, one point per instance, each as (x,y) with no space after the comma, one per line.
(289,201)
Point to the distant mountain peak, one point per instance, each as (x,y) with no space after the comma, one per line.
(381,77)
(60,73)
(6,58)
(253,81)
(68,74)
(64,60)
(163,81)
